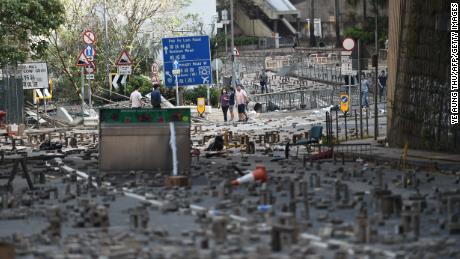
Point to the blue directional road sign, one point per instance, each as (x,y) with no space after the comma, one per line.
(192,56)
(344,98)
(89,51)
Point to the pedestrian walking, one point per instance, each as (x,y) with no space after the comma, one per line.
(224,102)
(382,83)
(364,92)
(231,103)
(240,100)
(263,78)
(155,97)
(136,98)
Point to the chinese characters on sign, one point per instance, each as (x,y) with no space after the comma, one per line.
(192,54)
(34,75)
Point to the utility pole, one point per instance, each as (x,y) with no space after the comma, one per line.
(338,42)
(376,109)
(106,49)
(360,94)
(312,24)
(232,44)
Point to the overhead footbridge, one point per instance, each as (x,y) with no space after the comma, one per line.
(264,18)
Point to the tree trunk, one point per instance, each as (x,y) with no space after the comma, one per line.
(364,10)
(338,42)
(312,24)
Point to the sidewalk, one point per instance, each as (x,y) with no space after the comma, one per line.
(440,160)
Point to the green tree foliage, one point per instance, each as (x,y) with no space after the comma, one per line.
(191,94)
(358,33)
(23,26)
(145,86)
(133,25)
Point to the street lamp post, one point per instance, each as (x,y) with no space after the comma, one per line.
(376,110)
(232,44)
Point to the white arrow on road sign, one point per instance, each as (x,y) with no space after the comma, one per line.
(115,82)
(166,50)
(176,64)
(119,80)
(90,52)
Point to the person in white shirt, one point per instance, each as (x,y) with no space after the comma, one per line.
(241,97)
(136,98)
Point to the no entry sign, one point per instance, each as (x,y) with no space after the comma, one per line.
(89,37)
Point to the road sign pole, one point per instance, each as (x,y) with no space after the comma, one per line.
(209,100)
(217,72)
(89,94)
(177,91)
(82,92)
(376,110)
(38,116)
(232,44)
(44,104)
(349,86)
(360,96)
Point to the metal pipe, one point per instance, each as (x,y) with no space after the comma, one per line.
(376,110)
(172,143)
(232,44)
(106,48)
(360,97)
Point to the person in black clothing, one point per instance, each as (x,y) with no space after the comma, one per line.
(382,83)
(231,103)
(155,97)
(263,78)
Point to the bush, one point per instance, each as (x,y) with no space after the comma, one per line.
(191,95)
(145,86)
(219,39)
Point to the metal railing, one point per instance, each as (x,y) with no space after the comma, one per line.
(297,99)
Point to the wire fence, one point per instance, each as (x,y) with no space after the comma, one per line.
(11,95)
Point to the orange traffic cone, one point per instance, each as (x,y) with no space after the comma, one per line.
(259,175)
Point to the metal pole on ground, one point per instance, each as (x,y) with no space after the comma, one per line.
(177,91)
(89,94)
(232,44)
(82,92)
(346,130)
(337,124)
(376,110)
(360,97)
(106,49)
(367,122)
(356,124)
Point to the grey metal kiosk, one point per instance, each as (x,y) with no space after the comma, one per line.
(145,139)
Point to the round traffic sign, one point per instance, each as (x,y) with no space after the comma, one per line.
(89,37)
(344,99)
(348,44)
(154,68)
(89,70)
